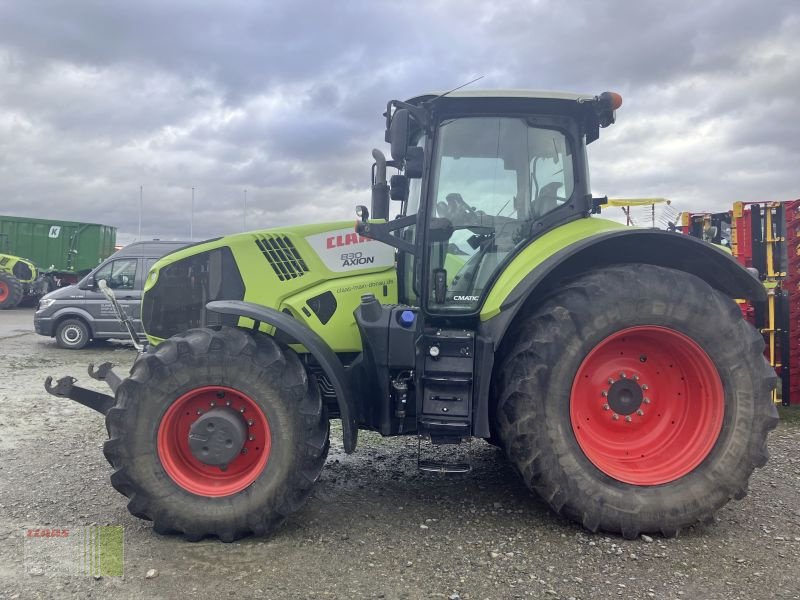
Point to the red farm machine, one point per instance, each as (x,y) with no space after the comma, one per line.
(765,237)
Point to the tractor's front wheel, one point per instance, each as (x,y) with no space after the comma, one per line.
(11,290)
(217,432)
(636,399)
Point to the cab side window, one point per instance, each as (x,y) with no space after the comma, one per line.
(119,274)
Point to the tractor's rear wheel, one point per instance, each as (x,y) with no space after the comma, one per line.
(217,432)
(11,290)
(635,400)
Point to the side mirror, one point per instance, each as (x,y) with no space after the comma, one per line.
(398,132)
(415,157)
(398,189)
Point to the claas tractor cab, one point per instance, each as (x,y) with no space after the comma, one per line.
(477,296)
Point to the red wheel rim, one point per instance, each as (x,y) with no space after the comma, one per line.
(3,290)
(199,478)
(662,431)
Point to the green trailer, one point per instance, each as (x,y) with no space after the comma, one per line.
(53,254)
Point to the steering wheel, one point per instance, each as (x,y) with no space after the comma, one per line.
(456,210)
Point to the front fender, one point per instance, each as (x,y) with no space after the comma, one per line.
(614,246)
(301,334)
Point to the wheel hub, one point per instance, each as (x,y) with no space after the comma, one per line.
(214,441)
(72,334)
(217,437)
(625,397)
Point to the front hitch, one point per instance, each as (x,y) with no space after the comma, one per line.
(102,403)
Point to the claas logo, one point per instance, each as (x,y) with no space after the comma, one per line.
(337,241)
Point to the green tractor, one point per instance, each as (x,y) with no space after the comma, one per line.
(18,277)
(610,364)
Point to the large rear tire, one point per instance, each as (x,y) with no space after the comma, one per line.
(11,291)
(635,400)
(250,382)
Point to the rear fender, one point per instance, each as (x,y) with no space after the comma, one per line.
(648,246)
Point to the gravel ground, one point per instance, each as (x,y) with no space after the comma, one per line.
(375,527)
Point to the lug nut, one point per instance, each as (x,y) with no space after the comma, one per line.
(199,412)
(636,378)
(241,410)
(604,393)
(640,412)
(644,386)
(251,437)
(615,417)
(227,402)
(250,422)
(646,400)
(628,419)
(622,375)
(610,380)
(606,407)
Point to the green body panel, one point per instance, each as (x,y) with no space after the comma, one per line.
(57,246)
(321,247)
(539,250)
(9,262)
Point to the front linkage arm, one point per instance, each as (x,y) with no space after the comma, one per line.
(102,403)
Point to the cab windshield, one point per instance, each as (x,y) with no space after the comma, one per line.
(493,178)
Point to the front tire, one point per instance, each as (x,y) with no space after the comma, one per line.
(247,377)
(11,291)
(636,399)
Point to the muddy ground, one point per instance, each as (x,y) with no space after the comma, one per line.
(374,528)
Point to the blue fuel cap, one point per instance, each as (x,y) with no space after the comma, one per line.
(407,318)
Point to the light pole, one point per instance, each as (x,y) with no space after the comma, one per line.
(244,214)
(141,193)
(191,220)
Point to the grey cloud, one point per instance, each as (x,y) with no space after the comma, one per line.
(285,99)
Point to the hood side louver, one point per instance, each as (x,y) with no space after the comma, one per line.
(282,256)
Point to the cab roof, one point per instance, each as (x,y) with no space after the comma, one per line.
(530,94)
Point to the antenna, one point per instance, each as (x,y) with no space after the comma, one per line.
(455,89)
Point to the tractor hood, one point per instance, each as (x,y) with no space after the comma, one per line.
(265,267)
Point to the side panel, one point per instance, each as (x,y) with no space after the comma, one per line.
(317,273)
(327,308)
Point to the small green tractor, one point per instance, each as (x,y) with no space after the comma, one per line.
(477,297)
(18,278)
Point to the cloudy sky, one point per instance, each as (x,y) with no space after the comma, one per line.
(284,99)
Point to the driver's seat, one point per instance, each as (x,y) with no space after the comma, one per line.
(547,200)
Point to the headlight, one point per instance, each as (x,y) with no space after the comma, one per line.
(45,303)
